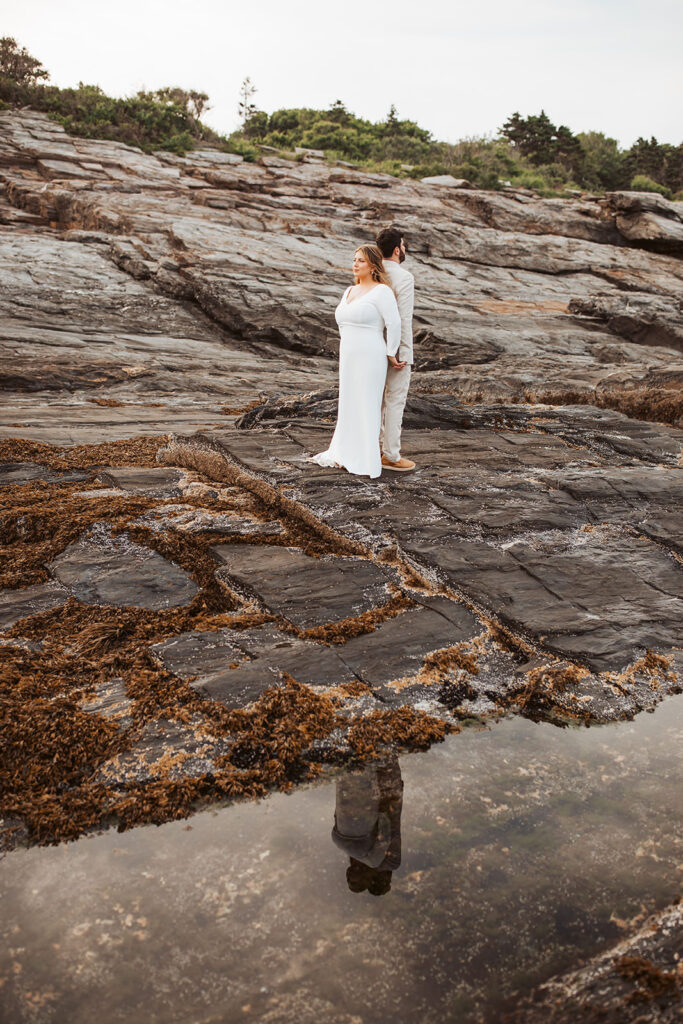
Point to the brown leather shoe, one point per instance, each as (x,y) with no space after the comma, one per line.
(402,466)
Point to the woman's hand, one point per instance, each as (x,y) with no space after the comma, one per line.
(397,364)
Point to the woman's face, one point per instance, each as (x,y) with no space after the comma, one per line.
(360,266)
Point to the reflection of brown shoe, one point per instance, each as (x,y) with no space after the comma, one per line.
(402,466)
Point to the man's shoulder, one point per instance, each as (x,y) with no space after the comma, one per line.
(397,273)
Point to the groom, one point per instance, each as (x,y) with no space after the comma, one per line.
(392,246)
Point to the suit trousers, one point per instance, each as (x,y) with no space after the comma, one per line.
(393,404)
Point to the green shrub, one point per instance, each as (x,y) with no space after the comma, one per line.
(641,183)
(147,120)
(242,147)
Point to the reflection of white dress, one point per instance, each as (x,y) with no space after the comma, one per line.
(362,375)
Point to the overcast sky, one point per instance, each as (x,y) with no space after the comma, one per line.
(458,68)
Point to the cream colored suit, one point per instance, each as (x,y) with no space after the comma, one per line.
(398,381)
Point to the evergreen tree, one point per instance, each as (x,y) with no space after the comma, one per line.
(537,138)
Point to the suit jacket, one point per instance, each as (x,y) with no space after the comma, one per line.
(403,286)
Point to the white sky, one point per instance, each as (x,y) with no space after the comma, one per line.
(457,67)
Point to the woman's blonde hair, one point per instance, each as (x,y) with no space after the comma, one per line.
(373,255)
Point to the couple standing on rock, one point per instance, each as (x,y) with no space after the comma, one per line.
(373,382)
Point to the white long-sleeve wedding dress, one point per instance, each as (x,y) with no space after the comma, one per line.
(362,375)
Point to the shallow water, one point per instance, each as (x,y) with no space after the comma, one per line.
(517,851)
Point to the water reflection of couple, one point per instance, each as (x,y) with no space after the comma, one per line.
(367,825)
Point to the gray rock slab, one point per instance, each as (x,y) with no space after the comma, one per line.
(100,569)
(399,646)
(239,687)
(456,613)
(307,591)
(258,454)
(62,169)
(310,664)
(157,482)
(27,472)
(19,604)
(508,511)
(209,657)
(307,662)
(199,652)
(600,597)
(666,528)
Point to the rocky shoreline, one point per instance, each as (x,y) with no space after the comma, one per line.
(190,611)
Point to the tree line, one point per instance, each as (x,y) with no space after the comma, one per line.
(529,152)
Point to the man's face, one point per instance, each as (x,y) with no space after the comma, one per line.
(402,251)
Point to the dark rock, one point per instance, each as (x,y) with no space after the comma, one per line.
(101,569)
(634,982)
(307,591)
(647,219)
(235,667)
(312,664)
(157,482)
(398,647)
(198,653)
(641,319)
(542,537)
(164,749)
(19,604)
(28,472)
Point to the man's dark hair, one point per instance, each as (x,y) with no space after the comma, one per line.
(388,239)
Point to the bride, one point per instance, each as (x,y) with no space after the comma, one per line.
(366,308)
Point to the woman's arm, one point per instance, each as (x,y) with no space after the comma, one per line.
(386,303)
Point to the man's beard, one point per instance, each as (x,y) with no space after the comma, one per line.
(401,256)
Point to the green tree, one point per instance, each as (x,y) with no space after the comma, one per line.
(533,136)
(283,121)
(329,135)
(568,150)
(18,64)
(392,121)
(604,164)
(537,138)
(659,161)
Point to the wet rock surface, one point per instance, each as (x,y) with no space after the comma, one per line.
(307,591)
(639,980)
(552,538)
(27,601)
(99,569)
(144,480)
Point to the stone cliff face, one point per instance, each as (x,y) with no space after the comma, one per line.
(531,562)
(519,299)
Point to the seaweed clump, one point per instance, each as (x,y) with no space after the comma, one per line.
(651,982)
(404,727)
